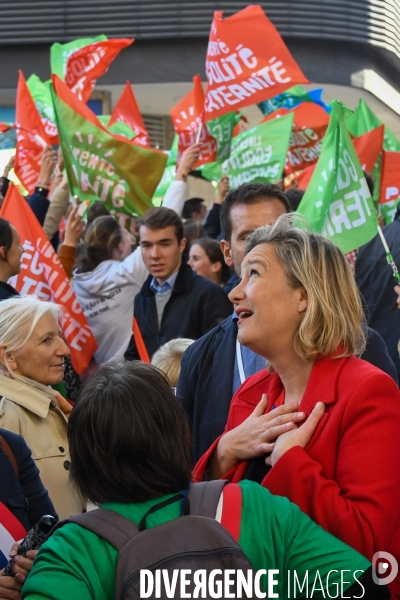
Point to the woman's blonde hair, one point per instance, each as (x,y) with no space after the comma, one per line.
(18,319)
(168,358)
(334,313)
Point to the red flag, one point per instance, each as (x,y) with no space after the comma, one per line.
(127,111)
(42,274)
(304,178)
(368,147)
(247,62)
(187,117)
(390,177)
(309,127)
(31,137)
(4,127)
(90,62)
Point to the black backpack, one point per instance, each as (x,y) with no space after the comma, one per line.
(194,541)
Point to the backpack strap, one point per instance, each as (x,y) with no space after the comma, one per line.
(6,448)
(107,524)
(204,497)
(231,514)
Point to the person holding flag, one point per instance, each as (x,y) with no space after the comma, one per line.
(109,275)
(321,415)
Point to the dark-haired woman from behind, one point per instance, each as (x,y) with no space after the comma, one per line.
(106,280)
(132,457)
(11,252)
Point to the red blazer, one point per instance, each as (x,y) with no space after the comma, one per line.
(347,479)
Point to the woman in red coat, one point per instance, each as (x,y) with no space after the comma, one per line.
(298,306)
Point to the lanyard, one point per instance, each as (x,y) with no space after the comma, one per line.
(239,359)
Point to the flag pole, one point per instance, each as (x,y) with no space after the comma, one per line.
(389,256)
(37,137)
(199,132)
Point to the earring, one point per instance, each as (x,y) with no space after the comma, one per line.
(300,306)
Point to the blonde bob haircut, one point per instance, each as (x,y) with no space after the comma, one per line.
(168,358)
(19,317)
(333,318)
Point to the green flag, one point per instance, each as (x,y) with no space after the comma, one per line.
(173,153)
(169,173)
(117,128)
(101,166)
(211,171)
(388,211)
(60,53)
(337,201)
(166,180)
(364,120)
(259,154)
(41,94)
(221,129)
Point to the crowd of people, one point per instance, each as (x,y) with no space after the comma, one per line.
(274,372)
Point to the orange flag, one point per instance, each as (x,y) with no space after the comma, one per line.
(31,137)
(90,62)
(187,117)
(390,177)
(368,147)
(247,62)
(127,111)
(309,127)
(304,178)
(43,275)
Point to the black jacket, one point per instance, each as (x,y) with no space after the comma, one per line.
(196,306)
(7,291)
(206,379)
(375,281)
(25,495)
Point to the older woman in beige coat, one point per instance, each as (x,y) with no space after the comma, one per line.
(32,354)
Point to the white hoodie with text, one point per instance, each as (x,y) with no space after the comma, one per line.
(106,294)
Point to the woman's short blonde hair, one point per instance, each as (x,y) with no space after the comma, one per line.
(168,358)
(19,316)
(334,313)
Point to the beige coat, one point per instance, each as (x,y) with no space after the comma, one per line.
(39,414)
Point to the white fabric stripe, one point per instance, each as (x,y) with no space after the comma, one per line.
(6,540)
(218,514)
(240,361)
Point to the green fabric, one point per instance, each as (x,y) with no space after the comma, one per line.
(259,154)
(60,53)
(388,211)
(337,202)
(75,563)
(221,129)
(41,94)
(166,180)
(99,166)
(211,171)
(364,120)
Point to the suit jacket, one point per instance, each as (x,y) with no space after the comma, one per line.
(206,380)
(375,280)
(25,495)
(196,305)
(347,479)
